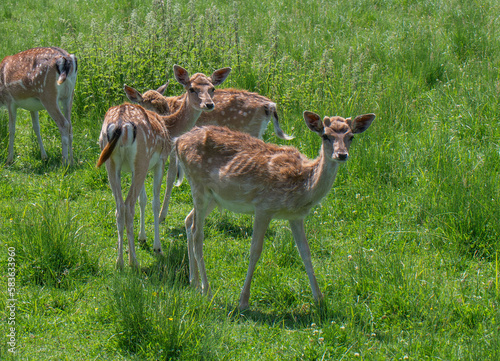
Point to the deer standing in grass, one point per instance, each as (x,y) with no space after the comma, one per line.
(245,175)
(35,79)
(135,140)
(236,109)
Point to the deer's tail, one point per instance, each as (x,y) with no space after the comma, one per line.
(110,147)
(64,66)
(271,108)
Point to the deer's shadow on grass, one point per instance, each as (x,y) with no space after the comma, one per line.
(303,318)
(38,166)
(174,264)
(175,259)
(171,267)
(236,227)
(220,223)
(230,226)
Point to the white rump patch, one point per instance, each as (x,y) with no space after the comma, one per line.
(111,130)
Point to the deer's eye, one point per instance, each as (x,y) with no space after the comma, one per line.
(326,137)
(192,90)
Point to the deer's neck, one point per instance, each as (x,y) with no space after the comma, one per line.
(323,174)
(183,119)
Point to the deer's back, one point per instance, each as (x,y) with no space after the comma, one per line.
(31,72)
(239,168)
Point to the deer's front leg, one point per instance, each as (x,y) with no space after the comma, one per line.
(299,235)
(65,128)
(158,175)
(116,188)
(202,201)
(36,127)
(143,200)
(261,222)
(138,178)
(171,174)
(194,278)
(12,132)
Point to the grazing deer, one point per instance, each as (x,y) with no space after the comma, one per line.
(35,79)
(245,175)
(135,140)
(236,109)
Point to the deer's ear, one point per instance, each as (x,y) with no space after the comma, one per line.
(361,122)
(219,76)
(162,89)
(182,76)
(313,122)
(327,122)
(133,95)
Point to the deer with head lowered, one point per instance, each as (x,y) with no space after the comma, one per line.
(35,79)
(245,175)
(135,140)
(236,109)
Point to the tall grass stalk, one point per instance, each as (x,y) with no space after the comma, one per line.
(497,270)
(50,246)
(163,322)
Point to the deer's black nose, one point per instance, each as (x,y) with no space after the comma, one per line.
(210,106)
(343,156)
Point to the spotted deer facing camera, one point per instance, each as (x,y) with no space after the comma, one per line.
(135,140)
(36,79)
(236,109)
(245,175)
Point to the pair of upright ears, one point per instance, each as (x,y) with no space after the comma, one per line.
(358,125)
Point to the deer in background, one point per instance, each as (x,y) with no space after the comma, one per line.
(135,140)
(35,79)
(245,175)
(236,109)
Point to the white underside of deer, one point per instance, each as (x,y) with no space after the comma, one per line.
(245,175)
(236,109)
(37,79)
(135,140)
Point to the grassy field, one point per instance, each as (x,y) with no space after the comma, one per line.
(405,246)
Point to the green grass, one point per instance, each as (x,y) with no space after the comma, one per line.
(405,246)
